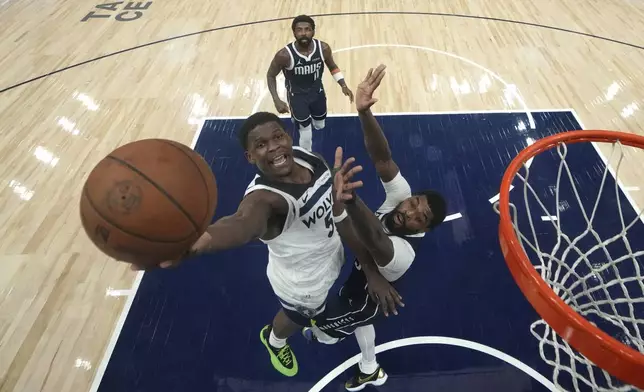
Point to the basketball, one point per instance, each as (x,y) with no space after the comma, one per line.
(148,201)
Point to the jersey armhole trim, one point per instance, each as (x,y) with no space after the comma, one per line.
(292,63)
(321,50)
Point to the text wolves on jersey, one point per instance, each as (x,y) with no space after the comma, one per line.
(322,211)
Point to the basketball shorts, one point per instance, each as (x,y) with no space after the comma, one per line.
(350,309)
(305,106)
(301,315)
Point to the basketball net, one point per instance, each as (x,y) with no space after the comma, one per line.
(593,270)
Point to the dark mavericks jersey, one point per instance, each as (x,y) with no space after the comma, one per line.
(304,73)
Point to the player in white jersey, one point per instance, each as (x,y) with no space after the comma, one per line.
(288,207)
(384,243)
(306,258)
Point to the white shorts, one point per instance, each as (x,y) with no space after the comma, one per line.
(305,286)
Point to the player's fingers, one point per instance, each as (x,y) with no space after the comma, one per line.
(397,297)
(369,74)
(379,70)
(353,185)
(346,165)
(375,75)
(391,304)
(378,79)
(383,305)
(338,158)
(372,294)
(354,170)
(167,264)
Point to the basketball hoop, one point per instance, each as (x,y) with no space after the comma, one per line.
(568,287)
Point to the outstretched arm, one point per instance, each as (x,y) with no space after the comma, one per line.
(370,232)
(335,70)
(280,61)
(374,139)
(250,222)
(351,239)
(343,192)
(368,229)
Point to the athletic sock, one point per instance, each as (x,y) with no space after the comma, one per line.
(275,341)
(306,137)
(366,337)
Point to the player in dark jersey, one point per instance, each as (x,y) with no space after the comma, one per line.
(302,63)
(386,241)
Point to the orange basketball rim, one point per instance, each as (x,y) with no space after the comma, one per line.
(606,352)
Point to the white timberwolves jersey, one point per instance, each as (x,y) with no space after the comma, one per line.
(305,259)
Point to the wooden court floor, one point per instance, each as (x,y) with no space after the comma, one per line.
(80,78)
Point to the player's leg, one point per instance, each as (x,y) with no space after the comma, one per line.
(287,321)
(315,333)
(318,109)
(301,115)
(353,312)
(351,308)
(368,371)
(274,339)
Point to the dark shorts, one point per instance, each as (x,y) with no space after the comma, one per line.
(300,315)
(305,106)
(350,309)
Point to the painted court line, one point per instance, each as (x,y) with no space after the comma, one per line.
(437,340)
(100,371)
(430,113)
(102,366)
(512,89)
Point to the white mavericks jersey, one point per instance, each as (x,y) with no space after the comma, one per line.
(306,258)
(397,191)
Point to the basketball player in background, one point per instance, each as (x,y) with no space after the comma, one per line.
(288,207)
(302,63)
(387,240)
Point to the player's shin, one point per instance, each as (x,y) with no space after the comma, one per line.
(306,137)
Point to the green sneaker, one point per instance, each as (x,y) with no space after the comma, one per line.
(283,359)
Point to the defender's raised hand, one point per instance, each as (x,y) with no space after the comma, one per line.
(364,92)
(343,187)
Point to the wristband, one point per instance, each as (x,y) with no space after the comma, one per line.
(338,76)
(338,219)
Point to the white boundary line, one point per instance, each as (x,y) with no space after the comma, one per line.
(109,349)
(333,374)
(102,366)
(611,170)
(100,371)
(497,77)
(431,113)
